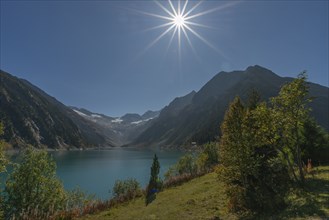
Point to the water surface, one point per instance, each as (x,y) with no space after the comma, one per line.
(95,171)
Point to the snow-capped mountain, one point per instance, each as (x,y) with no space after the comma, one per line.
(126,128)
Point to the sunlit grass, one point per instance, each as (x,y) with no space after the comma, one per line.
(203,198)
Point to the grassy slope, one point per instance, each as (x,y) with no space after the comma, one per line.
(202,198)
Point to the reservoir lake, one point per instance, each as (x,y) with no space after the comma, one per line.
(95,171)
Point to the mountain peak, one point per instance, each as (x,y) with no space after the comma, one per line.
(256,68)
(259,70)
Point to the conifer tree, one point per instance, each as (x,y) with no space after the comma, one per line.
(153,186)
(232,170)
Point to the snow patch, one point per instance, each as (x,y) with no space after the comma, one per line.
(117,120)
(96,116)
(141,121)
(80,113)
(137,122)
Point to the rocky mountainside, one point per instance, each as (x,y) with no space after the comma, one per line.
(30,116)
(197,116)
(33,117)
(125,128)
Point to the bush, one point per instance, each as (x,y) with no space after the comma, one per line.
(208,157)
(187,165)
(126,189)
(77,199)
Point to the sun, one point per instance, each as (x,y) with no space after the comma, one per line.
(180,21)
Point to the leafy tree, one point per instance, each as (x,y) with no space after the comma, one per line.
(33,185)
(291,112)
(154,184)
(315,143)
(251,170)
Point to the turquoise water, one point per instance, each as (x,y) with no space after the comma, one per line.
(96,171)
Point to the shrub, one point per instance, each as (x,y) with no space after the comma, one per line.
(126,189)
(77,199)
(187,165)
(208,157)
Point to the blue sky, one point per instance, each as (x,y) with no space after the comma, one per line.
(92,54)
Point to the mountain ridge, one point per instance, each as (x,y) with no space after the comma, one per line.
(28,114)
(31,116)
(199,121)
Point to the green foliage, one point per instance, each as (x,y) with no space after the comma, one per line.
(186,165)
(290,112)
(254,99)
(3,163)
(33,185)
(207,158)
(3,160)
(129,188)
(171,172)
(315,143)
(77,199)
(254,177)
(155,184)
(193,165)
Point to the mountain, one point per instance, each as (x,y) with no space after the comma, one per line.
(30,116)
(33,117)
(197,116)
(125,128)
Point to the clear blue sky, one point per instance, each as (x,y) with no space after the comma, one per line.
(92,54)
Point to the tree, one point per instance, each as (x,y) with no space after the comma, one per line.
(208,157)
(186,165)
(3,160)
(254,99)
(251,170)
(3,163)
(154,184)
(33,185)
(315,143)
(291,112)
(231,170)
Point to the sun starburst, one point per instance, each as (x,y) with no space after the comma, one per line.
(180,21)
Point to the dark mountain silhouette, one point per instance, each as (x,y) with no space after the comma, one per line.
(196,117)
(30,116)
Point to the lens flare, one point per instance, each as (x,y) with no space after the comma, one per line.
(179,20)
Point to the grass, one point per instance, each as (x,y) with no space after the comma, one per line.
(203,198)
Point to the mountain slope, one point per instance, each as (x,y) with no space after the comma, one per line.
(32,117)
(123,130)
(199,120)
